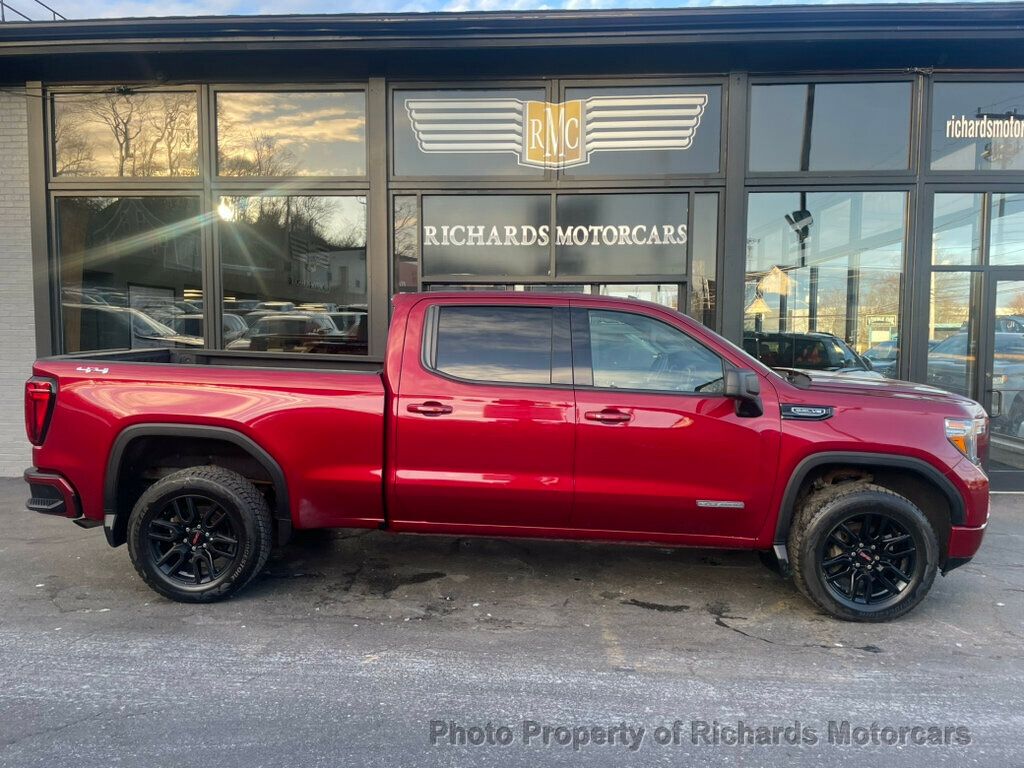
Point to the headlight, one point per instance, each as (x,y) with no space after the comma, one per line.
(964,434)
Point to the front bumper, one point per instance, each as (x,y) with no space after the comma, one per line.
(963,544)
(51,494)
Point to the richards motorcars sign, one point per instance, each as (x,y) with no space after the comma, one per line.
(461,235)
(557,135)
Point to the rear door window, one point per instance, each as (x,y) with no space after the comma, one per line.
(509,345)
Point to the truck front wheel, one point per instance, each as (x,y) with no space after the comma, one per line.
(200,534)
(862,552)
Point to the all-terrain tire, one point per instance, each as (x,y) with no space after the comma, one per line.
(812,542)
(247,520)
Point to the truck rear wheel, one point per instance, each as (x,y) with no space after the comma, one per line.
(863,553)
(200,534)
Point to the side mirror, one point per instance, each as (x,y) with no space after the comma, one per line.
(744,387)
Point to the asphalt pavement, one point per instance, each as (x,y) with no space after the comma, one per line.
(368,649)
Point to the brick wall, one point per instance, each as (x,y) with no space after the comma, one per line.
(17,319)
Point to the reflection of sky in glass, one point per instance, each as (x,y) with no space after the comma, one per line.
(495,343)
(880,111)
(956,233)
(1007,236)
(869,225)
(285,133)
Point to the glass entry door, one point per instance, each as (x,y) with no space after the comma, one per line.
(1001,352)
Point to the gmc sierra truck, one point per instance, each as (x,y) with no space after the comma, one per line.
(555,416)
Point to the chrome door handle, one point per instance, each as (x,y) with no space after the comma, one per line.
(430,408)
(608,416)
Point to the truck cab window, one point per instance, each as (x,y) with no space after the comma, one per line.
(630,351)
(501,344)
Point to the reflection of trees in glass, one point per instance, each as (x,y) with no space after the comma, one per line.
(295,248)
(126,134)
(244,152)
(1015,304)
(406,244)
(261,134)
(332,222)
(951,301)
(75,155)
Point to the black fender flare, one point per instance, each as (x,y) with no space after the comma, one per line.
(115,523)
(958,512)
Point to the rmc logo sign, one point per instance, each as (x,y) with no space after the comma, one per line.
(557,135)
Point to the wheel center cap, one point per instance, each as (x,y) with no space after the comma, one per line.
(864,555)
(196,538)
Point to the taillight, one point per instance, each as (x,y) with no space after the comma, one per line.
(40,397)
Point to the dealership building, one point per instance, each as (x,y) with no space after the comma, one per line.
(257,188)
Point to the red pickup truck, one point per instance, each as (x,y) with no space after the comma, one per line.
(555,416)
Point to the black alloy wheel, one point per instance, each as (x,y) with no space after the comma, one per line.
(192,541)
(862,552)
(868,559)
(200,534)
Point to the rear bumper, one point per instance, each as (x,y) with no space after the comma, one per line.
(51,494)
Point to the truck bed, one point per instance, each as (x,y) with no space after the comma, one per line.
(323,426)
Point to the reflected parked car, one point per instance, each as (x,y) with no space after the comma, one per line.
(234,326)
(1007,324)
(240,306)
(884,358)
(102,326)
(312,332)
(813,351)
(950,367)
(276,306)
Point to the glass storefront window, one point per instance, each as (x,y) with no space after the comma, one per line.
(830,127)
(122,133)
(956,229)
(826,262)
(291,133)
(467,132)
(621,234)
(130,272)
(479,235)
(294,271)
(1006,230)
(704,259)
(640,131)
(977,126)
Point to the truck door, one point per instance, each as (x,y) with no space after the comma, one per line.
(484,416)
(659,449)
